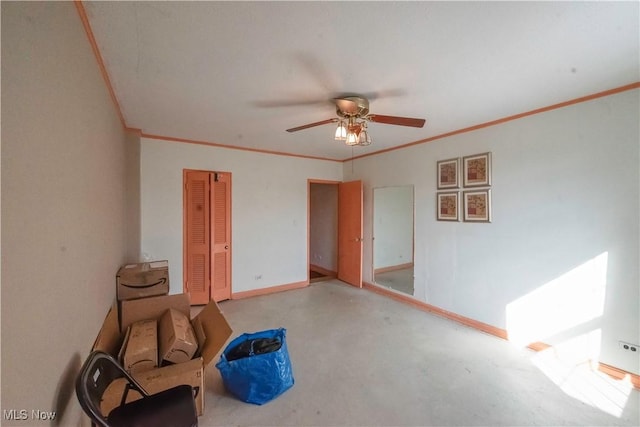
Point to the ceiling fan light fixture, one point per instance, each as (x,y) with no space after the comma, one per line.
(364,138)
(341,131)
(352,138)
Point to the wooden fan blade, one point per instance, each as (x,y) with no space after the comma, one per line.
(400,121)
(310,125)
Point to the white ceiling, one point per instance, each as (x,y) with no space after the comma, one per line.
(224,72)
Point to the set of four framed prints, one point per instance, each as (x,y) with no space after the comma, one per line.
(476,181)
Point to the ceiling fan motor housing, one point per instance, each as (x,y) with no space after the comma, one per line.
(352,106)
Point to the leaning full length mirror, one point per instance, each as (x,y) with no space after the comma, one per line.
(393,237)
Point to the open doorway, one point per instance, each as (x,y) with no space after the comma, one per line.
(323,230)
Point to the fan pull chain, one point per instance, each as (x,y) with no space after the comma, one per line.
(351,161)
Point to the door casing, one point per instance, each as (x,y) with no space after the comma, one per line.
(353,277)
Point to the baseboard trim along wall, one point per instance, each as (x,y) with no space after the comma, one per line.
(269,290)
(393,268)
(322,270)
(612,371)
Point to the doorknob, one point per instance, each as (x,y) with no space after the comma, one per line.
(226,246)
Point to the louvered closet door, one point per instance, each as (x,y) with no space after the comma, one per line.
(221,236)
(197,237)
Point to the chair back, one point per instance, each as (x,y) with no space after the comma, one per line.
(98,371)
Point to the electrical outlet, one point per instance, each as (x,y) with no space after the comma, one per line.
(628,346)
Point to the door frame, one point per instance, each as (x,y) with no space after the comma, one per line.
(322,181)
(309,182)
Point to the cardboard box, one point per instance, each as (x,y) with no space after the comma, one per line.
(177,341)
(210,327)
(140,347)
(142,280)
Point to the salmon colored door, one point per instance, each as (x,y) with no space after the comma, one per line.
(207,236)
(350,232)
(221,236)
(197,237)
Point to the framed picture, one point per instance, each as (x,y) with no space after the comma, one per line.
(477,205)
(448,174)
(448,206)
(477,170)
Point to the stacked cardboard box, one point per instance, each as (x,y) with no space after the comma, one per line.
(142,280)
(209,333)
(178,342)
(139,351)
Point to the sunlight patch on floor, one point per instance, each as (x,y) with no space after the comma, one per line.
(556,308)
(573,367)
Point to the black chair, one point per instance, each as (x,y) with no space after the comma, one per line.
(174,407)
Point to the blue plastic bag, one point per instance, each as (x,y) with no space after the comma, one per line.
(258,378)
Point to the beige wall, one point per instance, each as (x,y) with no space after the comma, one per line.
(565,206)
(64,201)
(132,196)
(269,195)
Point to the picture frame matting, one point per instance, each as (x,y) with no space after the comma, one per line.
(476,170)
(477,205)
(448,173)
(448,206)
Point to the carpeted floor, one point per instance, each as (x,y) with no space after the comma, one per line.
(361,359)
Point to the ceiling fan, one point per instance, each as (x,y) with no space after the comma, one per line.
(353,116)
